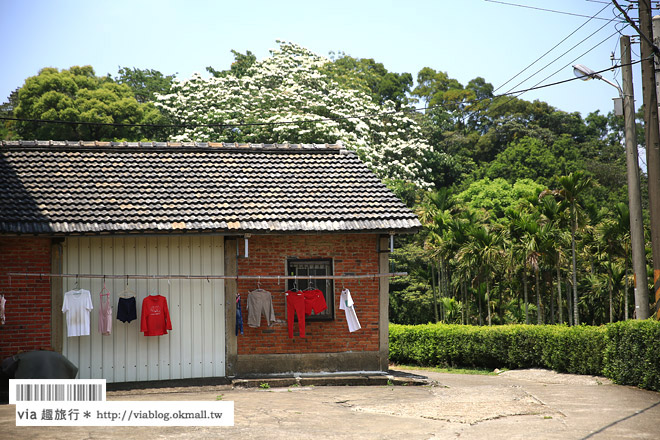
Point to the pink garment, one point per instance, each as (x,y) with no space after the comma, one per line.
(105,315)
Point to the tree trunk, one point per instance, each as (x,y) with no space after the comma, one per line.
(443,286)
(525,299)
(538,298)
(481,322)
(611,307)
(561,313)
(626,293)
(552,302)
(435,295)
(576,312)
(466,309)
(488,303)
(568,304)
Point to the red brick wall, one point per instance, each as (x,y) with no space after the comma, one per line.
(27,310)
(350,254)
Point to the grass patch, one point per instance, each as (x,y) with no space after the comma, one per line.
(458,370)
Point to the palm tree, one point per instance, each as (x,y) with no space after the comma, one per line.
(482,254)
(434,214)
(572,188)
(622,230)
(526,229)
(552,215)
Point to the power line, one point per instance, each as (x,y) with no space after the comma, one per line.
(536,86)
(566,52)
(542,9)
(553,48)
(653,47)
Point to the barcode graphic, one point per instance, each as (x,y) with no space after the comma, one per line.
(58,392)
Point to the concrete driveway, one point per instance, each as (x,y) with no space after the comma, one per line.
(523,404)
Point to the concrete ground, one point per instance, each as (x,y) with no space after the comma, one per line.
(522,404)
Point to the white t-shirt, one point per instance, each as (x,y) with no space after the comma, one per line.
(77,305)
(346,304)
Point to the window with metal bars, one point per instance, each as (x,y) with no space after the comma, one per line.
(319,267)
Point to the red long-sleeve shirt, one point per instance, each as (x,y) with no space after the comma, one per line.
(155,319)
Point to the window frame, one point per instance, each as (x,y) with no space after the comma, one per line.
(326,286)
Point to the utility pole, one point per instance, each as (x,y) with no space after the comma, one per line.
(634,194)
(652,136)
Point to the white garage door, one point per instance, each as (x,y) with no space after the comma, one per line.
(196,345)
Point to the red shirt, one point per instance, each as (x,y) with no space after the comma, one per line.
(155,316)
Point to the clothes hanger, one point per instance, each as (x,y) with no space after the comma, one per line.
(76,287)
(127,292)
(310,285)
(104,289)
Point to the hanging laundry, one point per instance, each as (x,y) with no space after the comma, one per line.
(77,306)
(126,306)
(346,304)
(105,312)
(3,301)
(295,303)
(314,301)
(260,302)
(126,309)
(155,319)
(239,315)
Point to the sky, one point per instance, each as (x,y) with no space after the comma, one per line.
(464,38)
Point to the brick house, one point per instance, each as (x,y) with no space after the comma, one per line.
(205,223)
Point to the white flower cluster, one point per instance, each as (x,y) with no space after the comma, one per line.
(285,98)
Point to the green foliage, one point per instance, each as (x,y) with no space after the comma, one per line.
(533,159)
(632,355)
(76,95)
(371,77)
(7,130)
(145,83)
(411,297)
(498,195)
(240,66)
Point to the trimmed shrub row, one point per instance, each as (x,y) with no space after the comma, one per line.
(627,352)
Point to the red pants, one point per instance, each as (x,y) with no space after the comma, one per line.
(295,302)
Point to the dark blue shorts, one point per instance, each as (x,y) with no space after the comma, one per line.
(126,310)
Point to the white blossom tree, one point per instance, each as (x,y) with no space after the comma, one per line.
(285,98)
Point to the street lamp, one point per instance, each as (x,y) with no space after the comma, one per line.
(585,74)
(632,168)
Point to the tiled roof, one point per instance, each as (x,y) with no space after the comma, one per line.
(130,187)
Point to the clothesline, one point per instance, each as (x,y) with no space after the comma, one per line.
(208,277)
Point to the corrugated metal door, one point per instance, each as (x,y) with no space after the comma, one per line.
(196,345)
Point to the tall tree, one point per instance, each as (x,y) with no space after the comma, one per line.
(240,66)
(483,253)
(78,95)
(7,110)
(286,98)
(371,77)
(571,192)
(145,83)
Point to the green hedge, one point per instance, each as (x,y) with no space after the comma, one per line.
(627,352)
(632,356)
